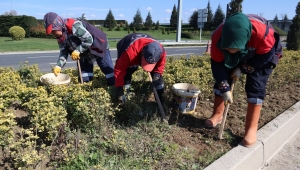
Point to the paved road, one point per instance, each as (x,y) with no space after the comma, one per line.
(288,158)
(47,59)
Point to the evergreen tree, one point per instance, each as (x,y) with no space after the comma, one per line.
(126,25)
(157,25)
(218,17)
(293,37)
(234,6)
(173,19)
(148,22)
(110,21)
(284,21)
(208,24)
(82,17)
(193,21)
(137,22)
(275,18)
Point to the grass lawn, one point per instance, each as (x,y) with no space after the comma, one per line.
(43,44)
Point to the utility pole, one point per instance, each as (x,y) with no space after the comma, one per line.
(178,35)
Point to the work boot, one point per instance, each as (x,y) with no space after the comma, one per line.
(252,118)
(217,115)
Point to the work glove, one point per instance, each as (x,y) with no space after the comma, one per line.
(75,55)
(246,69)
(227,97)
(121,95)
(236,74)
(56,70)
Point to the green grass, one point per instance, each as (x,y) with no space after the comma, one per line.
(43,44)
(27,44)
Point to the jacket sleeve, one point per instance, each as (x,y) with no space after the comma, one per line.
(82,33)
(63,56)
(218,68)
(120,69)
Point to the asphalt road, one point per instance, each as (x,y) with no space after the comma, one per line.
(47,59)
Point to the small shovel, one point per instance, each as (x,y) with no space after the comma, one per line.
(225,113)
(79,71)
(158,101)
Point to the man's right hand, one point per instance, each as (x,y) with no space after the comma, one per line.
(122,99)
(120,94)
(236,74)
(227,96)
(56,70)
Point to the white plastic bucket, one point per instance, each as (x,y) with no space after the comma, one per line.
(185,98)
(50,78)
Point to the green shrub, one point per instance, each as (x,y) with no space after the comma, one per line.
(17,33)
(189,35)
(118,28)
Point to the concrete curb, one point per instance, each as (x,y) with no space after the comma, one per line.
(271,138)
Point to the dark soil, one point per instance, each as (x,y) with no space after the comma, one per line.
(194,134)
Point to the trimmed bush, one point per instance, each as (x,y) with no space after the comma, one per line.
(17,33)
(189,35)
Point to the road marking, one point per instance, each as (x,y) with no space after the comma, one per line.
(44,57)
(187,49)
(76,62)
(66,62)
(181,54)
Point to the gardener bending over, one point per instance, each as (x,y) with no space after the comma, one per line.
(83,42)
(139,50)
(244,44)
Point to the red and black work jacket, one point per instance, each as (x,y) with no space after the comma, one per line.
(129,55)
(261,42)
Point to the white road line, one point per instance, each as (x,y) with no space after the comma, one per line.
(187,49)
(66,63)
(44,57)
(180,54)
(76,62)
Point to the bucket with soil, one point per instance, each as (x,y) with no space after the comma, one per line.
(50,78)
(185,97)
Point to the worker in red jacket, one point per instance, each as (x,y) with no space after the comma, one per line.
(244,44)
(135,50)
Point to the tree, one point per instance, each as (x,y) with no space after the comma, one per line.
(275,18)
(276,21)
(126,25)
(110,21)
(157,25)
(148,22)
(12,12)
(293,36)
(137,22)
(208,23)
(173,19)
(82,17)
(218,17)
(285,20)
(234,6)
(193,21)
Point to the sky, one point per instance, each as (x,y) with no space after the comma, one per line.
(160,10)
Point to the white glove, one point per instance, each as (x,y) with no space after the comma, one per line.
(227,97)
(236,74)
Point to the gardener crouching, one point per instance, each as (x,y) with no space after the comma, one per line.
(83,42)
(139,50)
